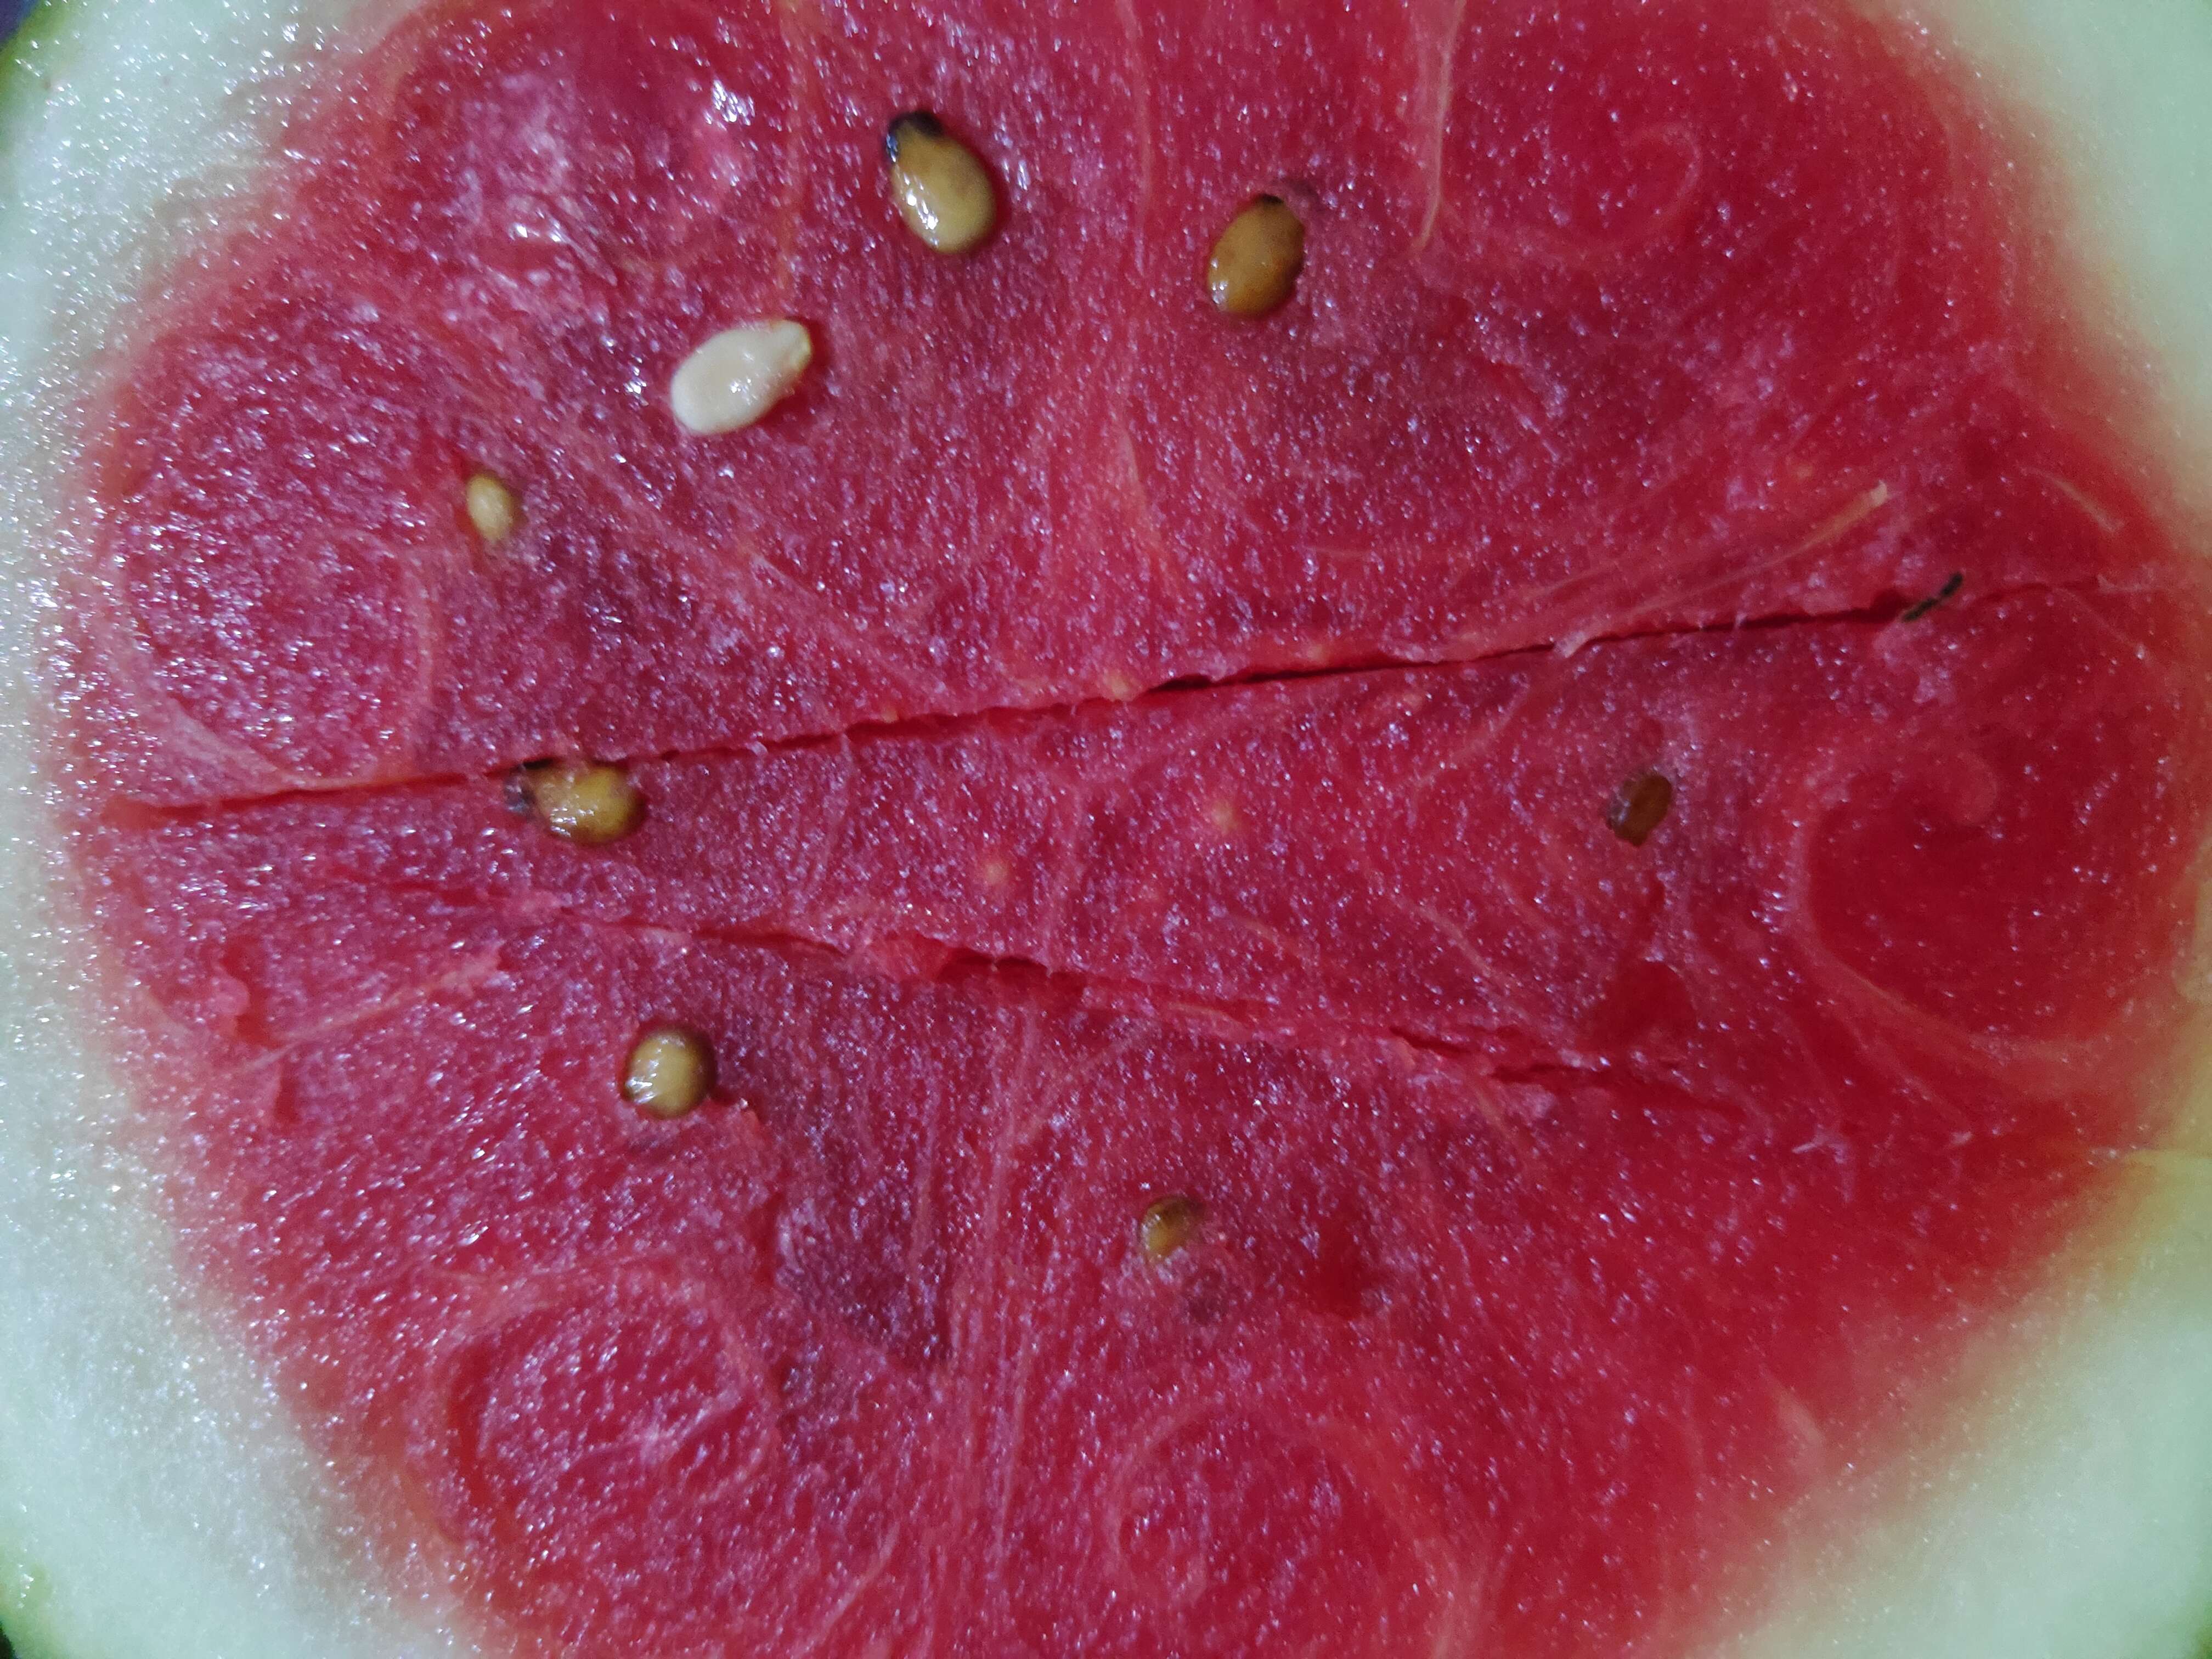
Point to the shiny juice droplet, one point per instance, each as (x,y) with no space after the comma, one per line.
(588,804)
(670,1071)
(943,190)
(1255,263)
(1640,807)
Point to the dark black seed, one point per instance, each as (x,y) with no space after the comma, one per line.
(1640,807)
(1914,613)
(918,123)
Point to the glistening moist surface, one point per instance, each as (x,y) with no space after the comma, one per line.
(1195,1167)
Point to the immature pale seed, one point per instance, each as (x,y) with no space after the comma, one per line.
(1167,1225)
(943,190)
(670,1071)
(588,803)
(1256,261)
(738,375)
(492,508)
(1640,807)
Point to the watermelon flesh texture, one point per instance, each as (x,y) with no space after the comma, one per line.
(1608,326)
(1536,1168)
(1486,1224)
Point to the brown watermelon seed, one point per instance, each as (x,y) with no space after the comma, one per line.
(1640,807)
(1256,260)
(669,1070)
(1167,1226)
(582,801)
(943,190)
(1941,596)
(492,508)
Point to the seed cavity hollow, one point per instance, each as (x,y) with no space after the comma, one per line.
(1640,807)
(737,376)
(943,190)
(1167,1225)
(1256,263)
(669,1070)
(583,801)
(493,508)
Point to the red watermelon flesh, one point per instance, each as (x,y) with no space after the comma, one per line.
(1642,318)
(1573,1213)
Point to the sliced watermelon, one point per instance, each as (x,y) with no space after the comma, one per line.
(1507,962)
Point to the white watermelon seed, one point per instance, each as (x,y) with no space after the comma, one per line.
(738,375)
(1256,260)
(941,186)
(671,1070)
(492,508)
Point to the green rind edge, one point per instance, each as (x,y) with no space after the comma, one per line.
(21,92)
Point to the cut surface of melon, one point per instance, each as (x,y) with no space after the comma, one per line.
(152,1497)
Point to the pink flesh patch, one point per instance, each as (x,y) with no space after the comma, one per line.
(1574,1213)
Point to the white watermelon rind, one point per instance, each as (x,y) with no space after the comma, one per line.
(154,1500)
(2067,1509)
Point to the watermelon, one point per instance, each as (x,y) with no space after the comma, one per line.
(952,828)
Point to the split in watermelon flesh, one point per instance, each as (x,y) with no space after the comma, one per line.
(1098,755)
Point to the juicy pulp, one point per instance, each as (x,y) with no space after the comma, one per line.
(1514,1187)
